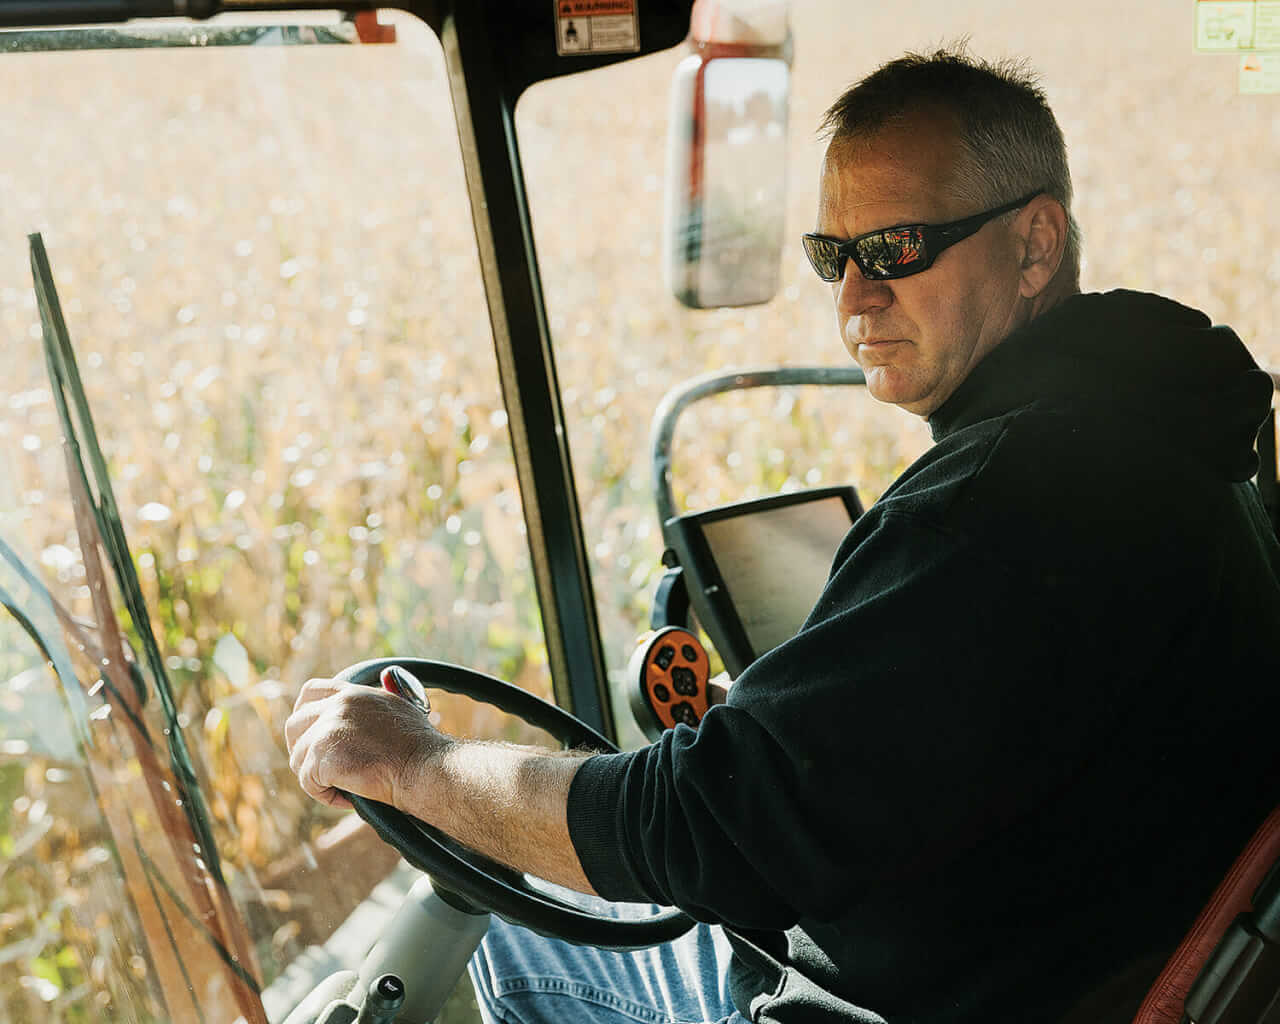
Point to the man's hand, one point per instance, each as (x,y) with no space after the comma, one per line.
(507,802)
(362,740)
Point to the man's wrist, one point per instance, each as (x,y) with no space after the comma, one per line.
(422,780)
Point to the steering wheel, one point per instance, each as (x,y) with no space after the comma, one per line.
(461,872)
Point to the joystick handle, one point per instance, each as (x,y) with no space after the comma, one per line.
(668,680)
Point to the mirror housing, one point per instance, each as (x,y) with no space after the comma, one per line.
(726,155)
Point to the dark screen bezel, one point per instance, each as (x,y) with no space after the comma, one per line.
(708,594)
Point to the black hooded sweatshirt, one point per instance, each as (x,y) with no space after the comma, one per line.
(1028,724)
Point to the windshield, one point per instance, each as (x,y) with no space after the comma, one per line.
(274,304)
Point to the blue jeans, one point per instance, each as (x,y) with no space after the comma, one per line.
(524,978)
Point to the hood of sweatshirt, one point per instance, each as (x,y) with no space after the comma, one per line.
(1132,357)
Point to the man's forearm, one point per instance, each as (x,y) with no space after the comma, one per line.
(507,802)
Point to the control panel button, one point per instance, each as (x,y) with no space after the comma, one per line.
(684,681)
(669,672)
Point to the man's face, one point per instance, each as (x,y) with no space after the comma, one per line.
(917,338)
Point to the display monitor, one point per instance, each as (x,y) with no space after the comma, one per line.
(756,568)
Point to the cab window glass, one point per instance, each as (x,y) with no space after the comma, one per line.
(1171,169)
(267,267)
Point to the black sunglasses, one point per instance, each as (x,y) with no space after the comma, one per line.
(897,251)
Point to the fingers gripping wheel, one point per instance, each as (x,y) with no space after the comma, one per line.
(669,674)
(476,879)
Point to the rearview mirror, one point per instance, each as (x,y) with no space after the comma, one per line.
(727,155)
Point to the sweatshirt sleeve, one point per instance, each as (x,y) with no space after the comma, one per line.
(691,821)
(920,705)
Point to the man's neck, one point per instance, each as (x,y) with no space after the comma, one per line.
(1063,286)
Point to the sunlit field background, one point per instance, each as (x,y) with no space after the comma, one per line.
(268,268)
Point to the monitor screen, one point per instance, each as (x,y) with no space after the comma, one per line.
(775,562)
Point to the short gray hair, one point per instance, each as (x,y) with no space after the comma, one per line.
(1013,141)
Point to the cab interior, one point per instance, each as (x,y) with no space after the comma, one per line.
(335,334)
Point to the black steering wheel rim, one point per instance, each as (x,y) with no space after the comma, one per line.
(476,879)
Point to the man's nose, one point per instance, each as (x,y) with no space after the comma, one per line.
(856,295)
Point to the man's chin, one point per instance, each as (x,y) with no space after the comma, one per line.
(888,385)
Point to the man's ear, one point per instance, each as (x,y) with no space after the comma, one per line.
(1042,229)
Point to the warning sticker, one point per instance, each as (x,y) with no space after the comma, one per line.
(1224,25)
(599,26)
(1260,73)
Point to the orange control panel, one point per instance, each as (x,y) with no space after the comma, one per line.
(669,671)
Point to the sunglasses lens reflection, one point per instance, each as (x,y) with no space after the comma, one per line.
(894,253)
(825,257)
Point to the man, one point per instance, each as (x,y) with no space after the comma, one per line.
(1004,763)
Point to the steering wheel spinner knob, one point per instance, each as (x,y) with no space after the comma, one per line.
(668,681)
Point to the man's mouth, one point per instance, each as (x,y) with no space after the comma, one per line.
(875,346)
